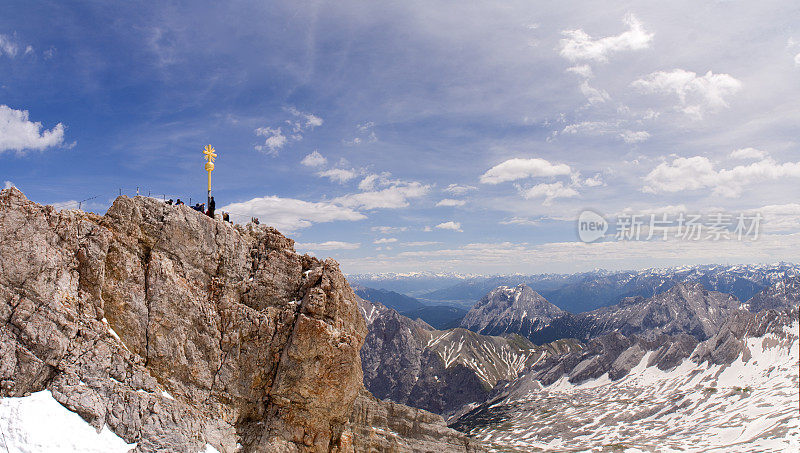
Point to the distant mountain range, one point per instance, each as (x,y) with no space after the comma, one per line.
(494,383)
(438,316)
(584,291)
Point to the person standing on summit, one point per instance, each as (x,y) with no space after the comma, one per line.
(211,206)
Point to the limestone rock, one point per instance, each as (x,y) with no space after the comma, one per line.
(176,330)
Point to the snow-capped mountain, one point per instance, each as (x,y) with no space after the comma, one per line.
(684,308)
(518,310)
(735,391)
(409,361)
(783,294)
(587,291)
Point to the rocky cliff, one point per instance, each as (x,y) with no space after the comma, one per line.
(176,330)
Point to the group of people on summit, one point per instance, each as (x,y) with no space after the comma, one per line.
(201,207)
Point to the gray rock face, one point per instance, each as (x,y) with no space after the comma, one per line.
(175,329)
(519,310)
(783,294)
(410,362)
(685,308)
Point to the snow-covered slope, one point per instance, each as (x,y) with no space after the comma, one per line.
(490,358)
(702,404)
(39,424)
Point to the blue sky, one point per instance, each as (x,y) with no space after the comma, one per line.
(418,136)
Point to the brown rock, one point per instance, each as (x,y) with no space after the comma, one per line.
(177,330)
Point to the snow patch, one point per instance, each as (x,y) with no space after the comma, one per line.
(39,424)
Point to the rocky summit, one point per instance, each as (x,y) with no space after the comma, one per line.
(519,310)
(183,333)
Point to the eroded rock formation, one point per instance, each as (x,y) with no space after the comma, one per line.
(177,330)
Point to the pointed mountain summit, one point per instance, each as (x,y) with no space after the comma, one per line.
(506,310)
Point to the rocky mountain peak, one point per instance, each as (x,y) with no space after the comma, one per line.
(176,330)
(507,309)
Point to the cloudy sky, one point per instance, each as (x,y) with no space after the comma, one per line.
(419,136)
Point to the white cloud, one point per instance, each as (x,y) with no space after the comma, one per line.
(306,120)
(797,60)
(611,254)
(634,136)
(514,169)
(277,139)
(748,153)
(594,181)
(328,245)
(419,243)
(388,229)
(695,94)
(10,46)
(451,202)
(289,214)
(455,226)
(583,70)
(578,45)
(364,134)
(384,241)
(549,192)
(606,128)
(314,159)
(692,173)
(371,181)
(594,95)
(395,196)
(8,185)
(670,210)
(368,183)
(784,217)
(590,127)
(18,133)
(519,221)
(339,175)
(458,190)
